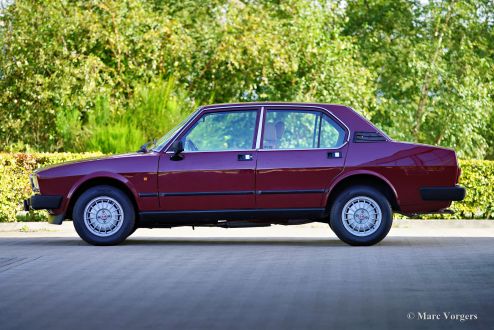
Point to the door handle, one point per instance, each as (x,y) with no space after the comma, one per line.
(335,154)
(244,157)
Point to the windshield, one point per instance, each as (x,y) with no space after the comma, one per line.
(158,145)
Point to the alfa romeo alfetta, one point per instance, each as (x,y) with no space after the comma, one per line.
(249,165)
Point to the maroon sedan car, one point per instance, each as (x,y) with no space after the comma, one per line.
(249,165)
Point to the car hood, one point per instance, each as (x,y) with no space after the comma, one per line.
(92,164)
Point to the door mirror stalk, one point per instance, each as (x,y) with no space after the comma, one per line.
(177,147)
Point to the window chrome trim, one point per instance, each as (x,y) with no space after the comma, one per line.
(290,105)
(263,107)
(306,149)
(206,113)
(347,130)
(204,151)
(260,129)
(200,112)
(254,150)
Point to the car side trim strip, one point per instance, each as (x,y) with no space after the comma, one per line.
(148,195)
(273,192)
(236,192)
(207,193)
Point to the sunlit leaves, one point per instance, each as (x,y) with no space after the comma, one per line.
(422,71)
(434,66)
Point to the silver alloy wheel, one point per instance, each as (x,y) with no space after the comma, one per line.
(361,216)
(103,216)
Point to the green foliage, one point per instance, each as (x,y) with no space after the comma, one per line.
(14,181)
(59,58)
(477,176)
(66,61)
(109,75)
(153,110)
(434,66)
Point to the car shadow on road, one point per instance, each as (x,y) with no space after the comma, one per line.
(305,241)
(408,241)
(235,241)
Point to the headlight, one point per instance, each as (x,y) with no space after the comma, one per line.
(34,182)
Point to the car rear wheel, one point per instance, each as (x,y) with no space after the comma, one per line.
(361,215)
(104,215)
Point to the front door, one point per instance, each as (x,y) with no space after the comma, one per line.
(302,151)
(217,170)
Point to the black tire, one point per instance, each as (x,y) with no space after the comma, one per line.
(124,205)
(337,221)
(133,230)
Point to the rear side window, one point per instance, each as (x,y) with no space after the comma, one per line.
(301,129)
(332,135)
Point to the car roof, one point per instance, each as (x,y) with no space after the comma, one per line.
(210,106)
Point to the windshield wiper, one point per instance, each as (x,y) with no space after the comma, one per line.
(144,148)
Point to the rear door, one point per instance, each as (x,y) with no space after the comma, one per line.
(217,170)
(303,149)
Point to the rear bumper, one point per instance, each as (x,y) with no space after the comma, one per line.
(456,193)
(42,202)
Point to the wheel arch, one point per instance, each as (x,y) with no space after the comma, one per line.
(100,180)
(364,178)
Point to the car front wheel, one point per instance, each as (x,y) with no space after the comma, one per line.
(104,215)
(361,215)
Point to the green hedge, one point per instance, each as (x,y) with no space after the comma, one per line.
(477,176)
(14,181)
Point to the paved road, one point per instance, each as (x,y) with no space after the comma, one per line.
(49,282)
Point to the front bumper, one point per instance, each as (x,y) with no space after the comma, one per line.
(42,202)
(456,193)
(46,202)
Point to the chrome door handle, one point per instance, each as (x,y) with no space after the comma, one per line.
(244,157)
(335,154)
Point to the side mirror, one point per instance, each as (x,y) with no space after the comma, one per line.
(177,147)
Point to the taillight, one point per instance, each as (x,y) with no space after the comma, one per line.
(458,173)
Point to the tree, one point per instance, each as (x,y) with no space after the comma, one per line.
(434,72)
(75,73)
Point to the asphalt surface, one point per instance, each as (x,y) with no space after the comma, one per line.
(179,282)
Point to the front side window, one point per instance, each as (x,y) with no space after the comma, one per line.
(221,131)
(300,129)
